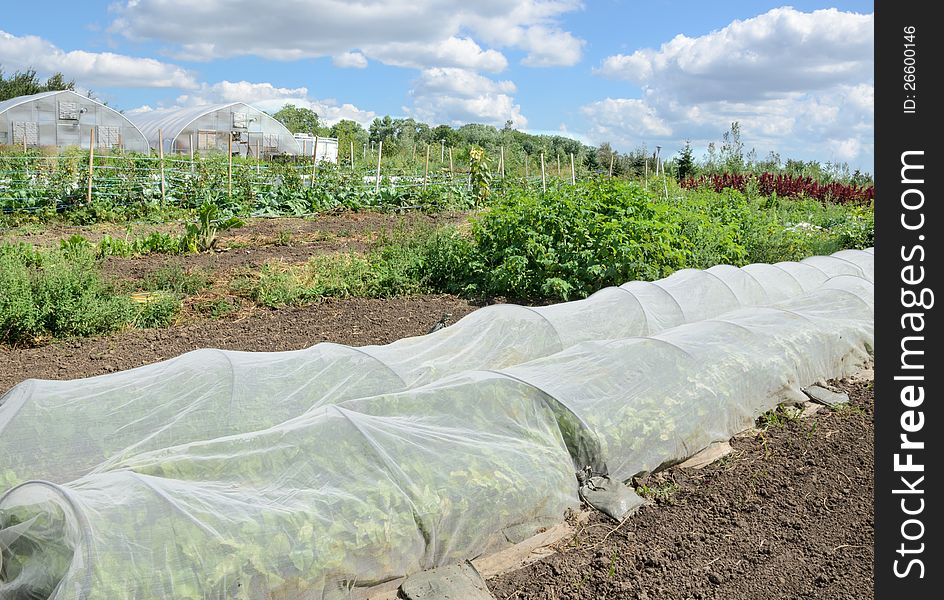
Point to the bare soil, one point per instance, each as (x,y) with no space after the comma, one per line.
(788,514)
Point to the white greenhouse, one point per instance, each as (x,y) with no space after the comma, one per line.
(212,128)
(63,118)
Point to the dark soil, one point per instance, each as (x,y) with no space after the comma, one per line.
(788,514)
(353,321)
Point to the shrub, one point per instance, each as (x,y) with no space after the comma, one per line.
(56,294)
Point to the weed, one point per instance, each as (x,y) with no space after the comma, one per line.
(778,417)
(158,310)
(662,493)
(175,279)
(214,308)
(284,239)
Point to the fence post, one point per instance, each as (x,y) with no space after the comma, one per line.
(191,153)
(160,157)
(558,166)
(451,169)
(229,167)
(543,179)
(573,171)
(352,155)
(502,162)
(426,169)
(258,154)
(88,197)
(612,154)
(646,174)
(379,156)
(314,162)
(442,151)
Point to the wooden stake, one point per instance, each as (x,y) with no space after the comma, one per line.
(527,168)
(314,161)
(160,156)
(451,168)
(352,155)
(380,148)
(442,151)
(426,169)
(573,171)
(229,166)
(502,162)
(646,174)
(612,154)
(543,179)
(558,166)
(88,196)
(191,153)
(258,154)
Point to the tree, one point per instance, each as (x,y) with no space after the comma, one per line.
(298,119)
(384,130)
(447,133)
(24,83)
(685,166)
(732,149)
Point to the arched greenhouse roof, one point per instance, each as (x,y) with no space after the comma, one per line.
(173,121)
(6,105)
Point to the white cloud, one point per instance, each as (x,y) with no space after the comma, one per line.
(90,68)
(798,83)
(416,33)
(270,98)
(626,117)
(458,96)
(451,52)
(349,60)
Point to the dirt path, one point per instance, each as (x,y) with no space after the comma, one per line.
(787,515)
(353,321)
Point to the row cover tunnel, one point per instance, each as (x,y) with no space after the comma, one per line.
(306,474)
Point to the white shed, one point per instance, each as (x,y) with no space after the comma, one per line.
(327,147)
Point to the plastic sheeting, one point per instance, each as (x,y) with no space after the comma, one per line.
(365,490)
(62,430)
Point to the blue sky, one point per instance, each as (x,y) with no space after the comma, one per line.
(798,77)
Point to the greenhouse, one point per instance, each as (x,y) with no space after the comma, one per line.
(237,127)
(321,472)
(61,119)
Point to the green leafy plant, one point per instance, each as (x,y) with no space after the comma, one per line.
(201,235)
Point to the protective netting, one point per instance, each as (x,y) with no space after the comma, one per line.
(61,430)
(365,490)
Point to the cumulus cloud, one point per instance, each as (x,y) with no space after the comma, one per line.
(420,33)
(457,96)
(349,60)
(271,98)
(90,68)
(451,52)
(798,83)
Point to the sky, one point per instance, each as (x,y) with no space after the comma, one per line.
(798,78)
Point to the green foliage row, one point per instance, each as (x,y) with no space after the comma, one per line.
(127,186)
(572,241)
